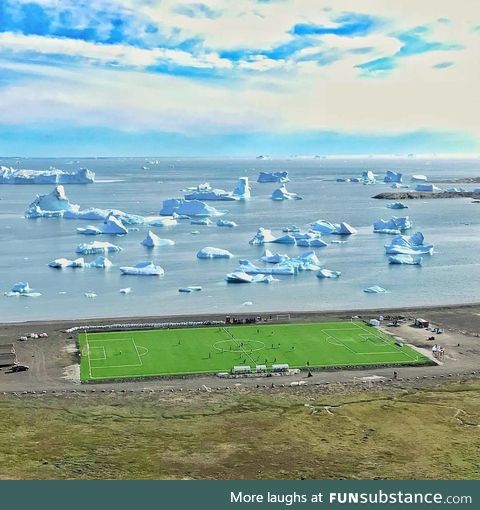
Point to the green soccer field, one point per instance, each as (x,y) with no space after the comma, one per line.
(163,352)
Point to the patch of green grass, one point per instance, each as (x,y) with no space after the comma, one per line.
(179,351)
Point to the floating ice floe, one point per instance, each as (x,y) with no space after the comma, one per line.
(22,289)
(126,290)
(242,277)
(91,295)
(226,223)
(51,176)
(100,262)
(146,268)
(90,230)
(272,258)
(53,204)
(114,226)
(201,221)
(206,192)
(273,177)
(282,194)
(405,259)
(97,247)
(427,187)
(376,289)
(409,245)
(327,273)
(279,269)
(182,207)
(391,176)
(155,221)
(313,243)
(397,205)
(419,178)
(62,263)
(392,226)
(191,288)
(213,253)
(397,185)
(152,240)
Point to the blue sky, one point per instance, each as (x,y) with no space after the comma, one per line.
(170,77)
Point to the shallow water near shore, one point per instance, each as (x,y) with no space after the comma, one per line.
(451,275)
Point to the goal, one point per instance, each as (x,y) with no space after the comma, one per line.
(285,317)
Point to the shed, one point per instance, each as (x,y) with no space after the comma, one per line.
(280,367)
(241,369)
(374,322)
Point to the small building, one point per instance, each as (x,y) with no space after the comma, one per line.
(241,369)
(421,323)
(374,322)
(228,319)
(261,369)
(280,367)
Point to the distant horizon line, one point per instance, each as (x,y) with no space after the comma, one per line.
(266,157)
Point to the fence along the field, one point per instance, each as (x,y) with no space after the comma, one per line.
(143,325)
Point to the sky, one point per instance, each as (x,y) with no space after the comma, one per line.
(238,77)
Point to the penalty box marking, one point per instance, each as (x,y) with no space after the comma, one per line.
(116,340)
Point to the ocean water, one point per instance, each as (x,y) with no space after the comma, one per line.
(451,275)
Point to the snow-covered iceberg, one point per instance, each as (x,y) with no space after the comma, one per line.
(226,223)
(97,247)
(51,176)
(206,192)
(242,189)
(146,268)
(263,235)
(273,258)
(213,253)
(286,239)
(324,227)
(62,263)
(273,177)
(427,187)
(22,289)
(241,277)
(100,262)
(312,242)
(393,225)
(114,226)
(376,289)
(368,177)
(279,269)
(419,178)
(397,205)
(282,194)
(54,204)
(182,207)
(405,259)
(90,230)
(391,176)
(327,273)
(344,229)
(409,245)
(151,240)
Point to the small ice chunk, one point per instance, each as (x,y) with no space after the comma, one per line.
(190,288)
(226,223)
(405,259)
(90,230)
(327,273)
(153,240)
(100,262)
(397,205)
(282,194)
(126,290)
(91,295)
(376,289)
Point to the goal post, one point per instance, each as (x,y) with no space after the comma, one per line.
(283,317)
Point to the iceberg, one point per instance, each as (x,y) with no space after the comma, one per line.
(291,229)
(392,176)
(409,245)
(22,289)
(146,268)
(191,288)
(271,258)
(344,229)
(262,236)
(155,221)
(100,262)
(327,273)
(368,177)
(419,178)
(397,185)
(201,221)
(54,204)
(392,226)
(242,189)
(90,230)
(264,278)
(126,290)
(312,243)
(207,193)
(376,289)
(114,226)
(324,227)
(427,187)
(280,269)
(152,240)
(90,295)
(62,263)
(97,247)
(51,176)
(226,223)
(184,207)
(239,277)
(282,194)
(213,253)
(273,177)
(343,179)
(405,259)
(397,205)
(286,239)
